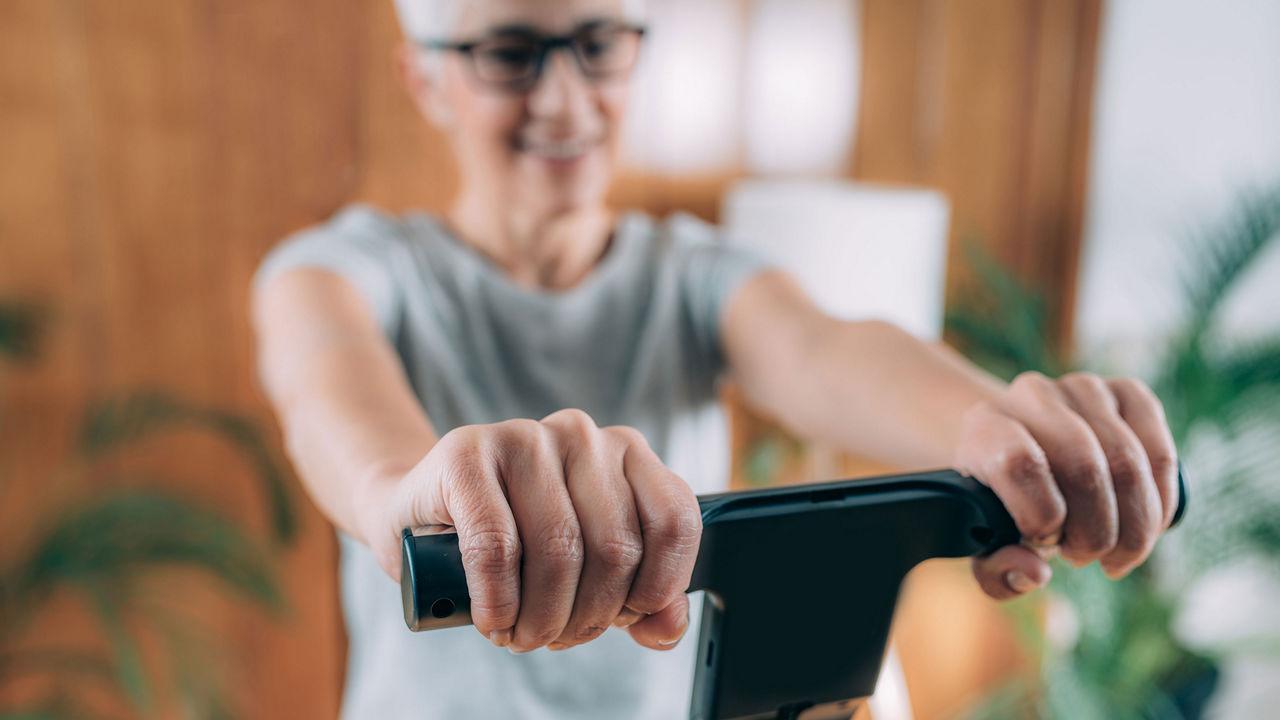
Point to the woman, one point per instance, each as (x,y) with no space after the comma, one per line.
(539,374)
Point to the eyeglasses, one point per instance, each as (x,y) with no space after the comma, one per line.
(512,60)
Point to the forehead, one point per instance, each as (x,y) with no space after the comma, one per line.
(551,16)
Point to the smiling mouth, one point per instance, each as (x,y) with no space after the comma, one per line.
(559,150)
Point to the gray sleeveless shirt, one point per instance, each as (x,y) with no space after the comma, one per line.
(635,343)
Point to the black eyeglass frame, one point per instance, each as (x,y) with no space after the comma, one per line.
(547,44)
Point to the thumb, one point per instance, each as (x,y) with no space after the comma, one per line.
(663,629)
(1011,571)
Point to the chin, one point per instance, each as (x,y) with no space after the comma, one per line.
(568,194)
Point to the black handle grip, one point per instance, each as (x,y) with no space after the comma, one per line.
(433,584)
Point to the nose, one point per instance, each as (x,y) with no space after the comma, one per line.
(561,89)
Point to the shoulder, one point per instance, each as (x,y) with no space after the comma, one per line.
(697,246)
(684,232)
(358,244)
(358,236)
(358,225)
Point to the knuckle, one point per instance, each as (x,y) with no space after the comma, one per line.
(1133,544)
(621,553)
(541,448)
(678,530)
(1135,387)
(1083,471)
(462,446)
(1095,540)
(1084,380)
(521,434)
(574,418)
(490,551)
(464,472)
(1024,465)
(1128,466)
(561,545)
(463,434)
(1139,391)
(627,435)
(1033,383)
(1164,463)
(521,426)
(1049,518)
(575,428)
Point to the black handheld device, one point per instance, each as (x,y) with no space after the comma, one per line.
(801,583)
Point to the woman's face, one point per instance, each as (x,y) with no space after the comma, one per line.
(550,148)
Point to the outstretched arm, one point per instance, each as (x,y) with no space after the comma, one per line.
(1081,462)
(564,527)
(352,425)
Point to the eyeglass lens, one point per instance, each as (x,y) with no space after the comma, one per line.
(516,59)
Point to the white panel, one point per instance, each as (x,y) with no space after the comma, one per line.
(802,72)
(1187,114)
(687,102)
(861,252)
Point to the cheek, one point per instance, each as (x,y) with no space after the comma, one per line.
(613,109)
(485,127)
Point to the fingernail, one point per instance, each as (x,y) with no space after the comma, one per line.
(626,618)
(501,638)
(1019,582)
(684,628)
(557,646)
(1116,573)
(515,651)
(1049,540)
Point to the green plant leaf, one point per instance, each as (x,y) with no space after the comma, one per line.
(65,662)
(41,713)
(58,707)
(1234,243)
(1003,323)
(111,540)
(21,325)
(1250,365)
(127,419)
(127,659)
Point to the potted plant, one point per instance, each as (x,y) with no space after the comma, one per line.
(1123,649)
(102,548)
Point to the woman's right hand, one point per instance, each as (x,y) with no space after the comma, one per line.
(565,528)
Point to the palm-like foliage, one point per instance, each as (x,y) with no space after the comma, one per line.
(1221,401)
(20,325)
(104,549)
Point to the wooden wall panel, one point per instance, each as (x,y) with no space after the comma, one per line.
(988,101)
(153,152)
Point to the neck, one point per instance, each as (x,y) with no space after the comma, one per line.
(552,251)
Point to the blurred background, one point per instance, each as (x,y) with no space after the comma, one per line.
(1046,184)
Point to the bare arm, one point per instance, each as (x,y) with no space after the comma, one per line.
(565,528)
(352,425)
(868,387)
(1081,462)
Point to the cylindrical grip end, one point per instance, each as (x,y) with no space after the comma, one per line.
(433,586)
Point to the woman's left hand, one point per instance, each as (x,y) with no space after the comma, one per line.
(1085,465)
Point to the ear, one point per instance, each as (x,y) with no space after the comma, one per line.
(425,87)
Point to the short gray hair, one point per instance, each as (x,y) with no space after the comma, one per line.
(430,19)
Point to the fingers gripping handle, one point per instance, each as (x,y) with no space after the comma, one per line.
(433,585)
